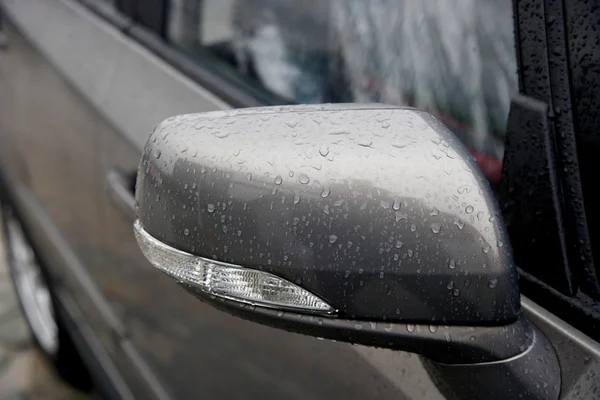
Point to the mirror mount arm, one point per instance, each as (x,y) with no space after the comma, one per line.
(445,344)
(491,362)
(534,374)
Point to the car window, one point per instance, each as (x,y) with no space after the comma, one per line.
(454,58)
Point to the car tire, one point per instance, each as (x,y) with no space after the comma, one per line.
(37,300)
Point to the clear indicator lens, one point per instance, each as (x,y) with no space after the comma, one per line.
(227,280)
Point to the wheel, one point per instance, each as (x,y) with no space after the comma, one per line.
(37,302)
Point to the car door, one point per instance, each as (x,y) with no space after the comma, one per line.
(49,139)
(190,347)
(53,128)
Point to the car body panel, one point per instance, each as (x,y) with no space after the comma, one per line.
(88,98)
(57,130)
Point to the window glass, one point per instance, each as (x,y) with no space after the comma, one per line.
(454,58)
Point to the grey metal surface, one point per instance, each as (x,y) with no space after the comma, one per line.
(578,354)
(535,374)
(380,211)
(51,162)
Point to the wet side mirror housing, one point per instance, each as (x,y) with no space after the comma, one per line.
(367,224)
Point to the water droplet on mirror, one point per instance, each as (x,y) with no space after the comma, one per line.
(396,205)
(450,285)
(434,212)
(365,143)
(339,132)
(324,151)
(469,209)
(358,326)
(500,243)
(486,248)
(459,223)
(399,215)
(291,124)
(296,198)
(157,153)
(492,283)
(433,328)
(303,179)
(522,347)
(464,189)
(456,292)
(373,325)
(472,338)
(436,227)
(280,313)
(410,327)
(210,207)
(249,176)
(413,228)
(399,244)
(333,239)
(452,264)
(278,180)
(325,192)
(186,231)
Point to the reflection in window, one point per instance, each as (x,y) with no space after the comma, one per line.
(454,58)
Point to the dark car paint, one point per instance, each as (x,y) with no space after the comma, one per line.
(154,359)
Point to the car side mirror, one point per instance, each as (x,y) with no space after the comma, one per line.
(368,224)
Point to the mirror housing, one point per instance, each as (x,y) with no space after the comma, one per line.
(378,212)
